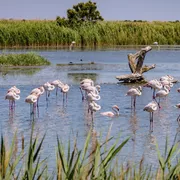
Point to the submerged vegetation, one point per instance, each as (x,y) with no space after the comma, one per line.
(29,59)
(94,161)
(48,33)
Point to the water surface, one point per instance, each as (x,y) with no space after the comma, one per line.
(71,119)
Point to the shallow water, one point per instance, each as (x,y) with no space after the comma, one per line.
(71,119)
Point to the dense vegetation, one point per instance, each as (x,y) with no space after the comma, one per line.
(29,59)
(24,160)
(48,33)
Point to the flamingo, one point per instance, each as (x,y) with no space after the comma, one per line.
(48,87)
(154,84)
(31,99)
(167,77)
(133,92)
(115,108)
(163,93)
(93,97)
(151,107)
(93,107)
(15,89)
(12,96)
(64,89)
(166,82)
(56,84)
(72,45)
(38,91)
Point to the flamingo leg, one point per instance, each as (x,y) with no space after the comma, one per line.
(131,102)
(154,91)
(66,97)
(134,102)
(152,120)
(81,93)
(56,90)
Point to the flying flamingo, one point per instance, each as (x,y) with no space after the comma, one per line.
(32,99)
(154,84)
(12,96)
(93,107)
(133,92)
(48,87)
(115,108)
(151,107)
(163,93)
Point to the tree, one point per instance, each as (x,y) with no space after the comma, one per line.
(82,12)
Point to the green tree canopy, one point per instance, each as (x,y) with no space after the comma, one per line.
(82,12)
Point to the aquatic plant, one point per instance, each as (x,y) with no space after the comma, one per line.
(29,59)
(95,160)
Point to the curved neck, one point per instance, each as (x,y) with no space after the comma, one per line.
(116,112)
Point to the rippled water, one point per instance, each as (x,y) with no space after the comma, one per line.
(69,119)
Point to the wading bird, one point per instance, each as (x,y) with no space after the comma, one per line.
(133,92)
(151,107)
(115,112)
(154,84)
(12,96)
(32,99)
(162,93)
(93,107)
(48,87)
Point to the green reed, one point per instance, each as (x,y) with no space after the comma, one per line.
(29,59)
(95,160)
(47,33)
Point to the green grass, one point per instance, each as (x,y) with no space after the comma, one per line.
(18,33)
(29,59)
(95,160)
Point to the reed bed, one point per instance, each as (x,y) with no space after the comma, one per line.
(17,33)
(29,59)
(96,160)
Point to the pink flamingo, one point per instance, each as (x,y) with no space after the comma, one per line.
(151,107)
(93,107)
(154,84)
(12,96)
(64,89)
(166,82)
(133,92)
(167,77)
(15,89)
(56,84)
(32,99)
(115,112)
(48,87)
(163,93)
(38,92)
